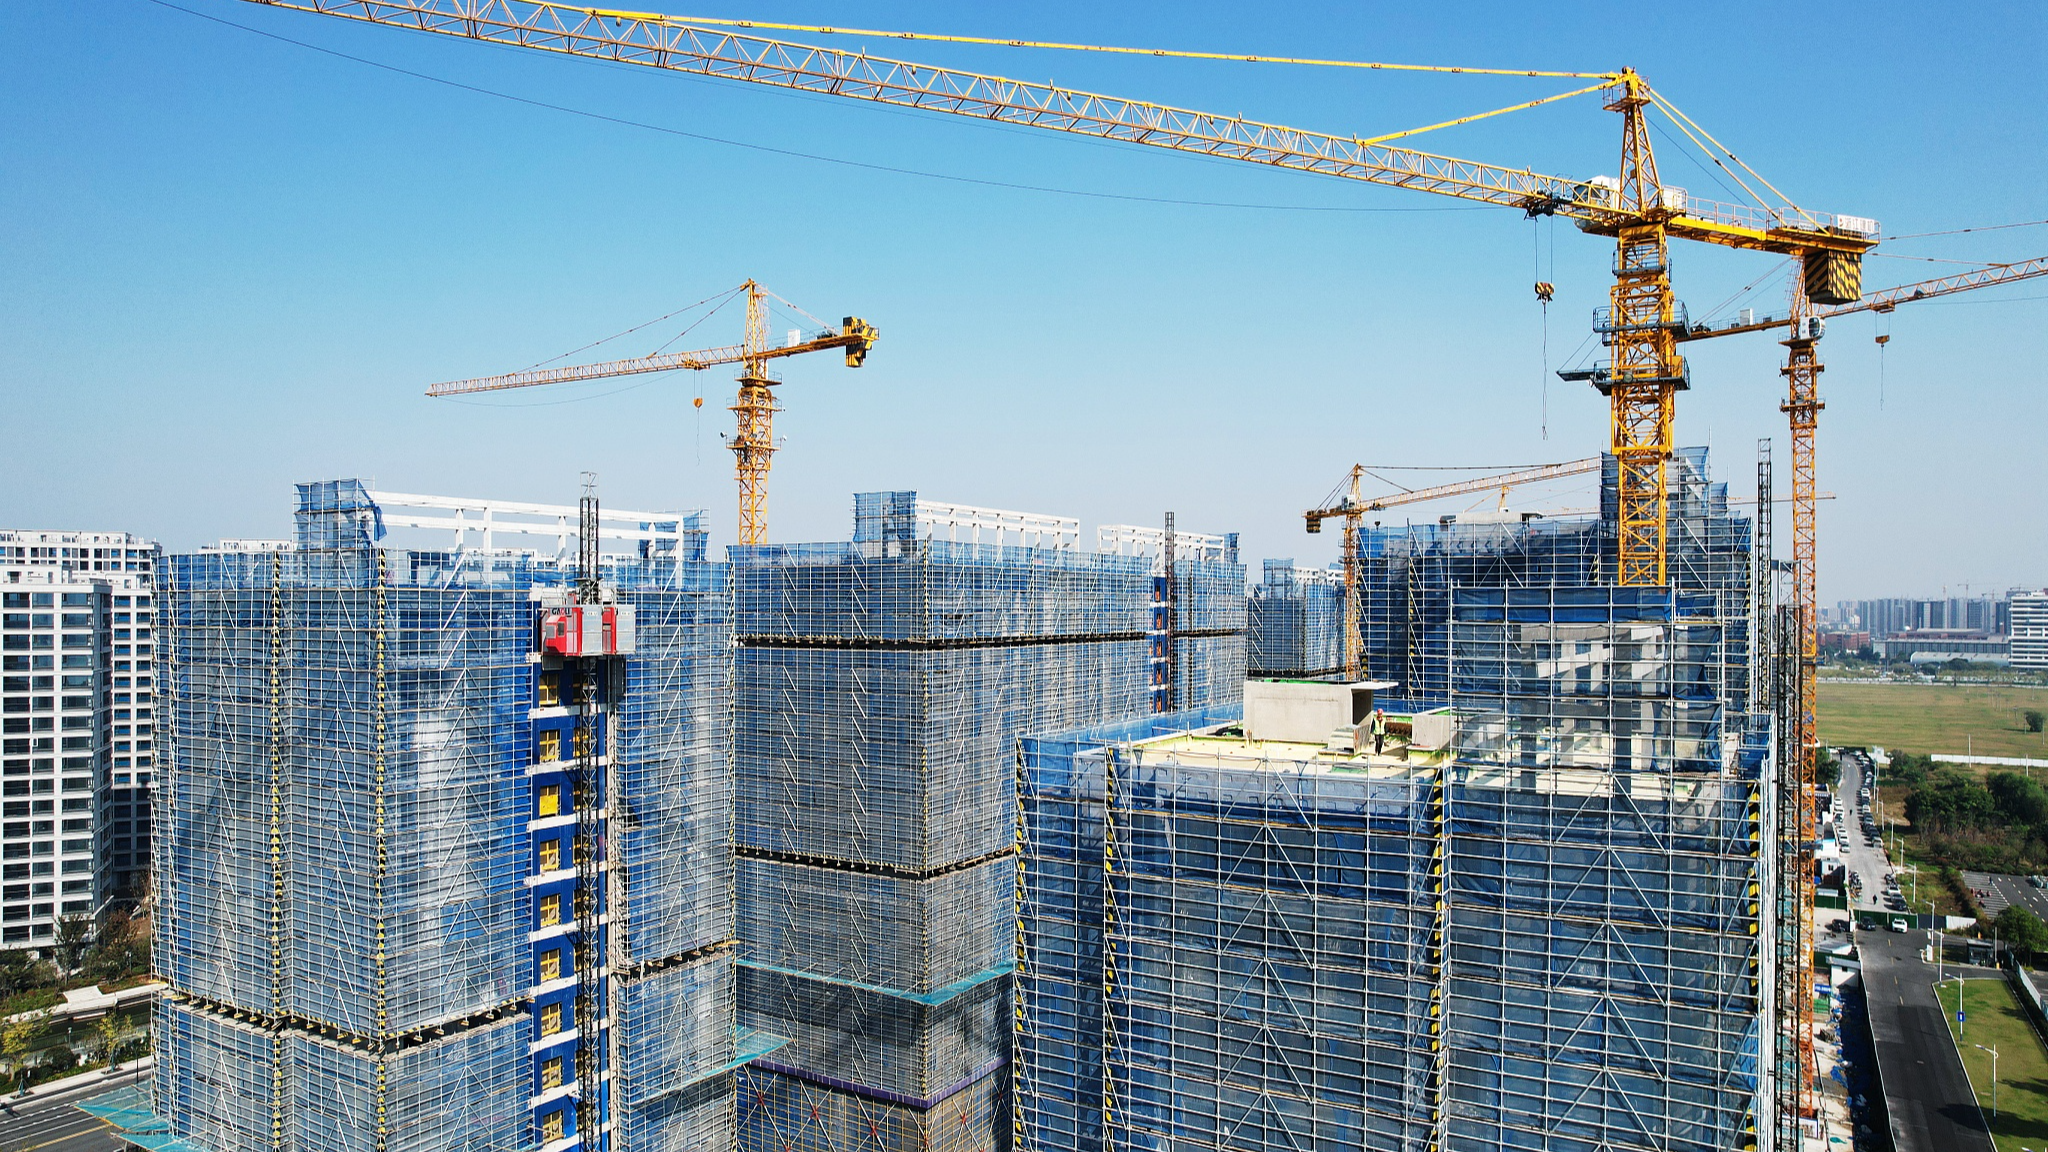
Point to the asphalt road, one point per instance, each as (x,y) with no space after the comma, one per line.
(53,1125)
(1865,857)
(1926,1091)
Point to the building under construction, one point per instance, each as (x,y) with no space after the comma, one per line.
(1527,917)
(880,688)
(1294,621)
(443,856)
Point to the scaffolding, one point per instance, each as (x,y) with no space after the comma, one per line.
(877,929)
(347,853)
(880,687)
(1407,572)
(1549,934)
(1295,622)
(1058,1031)
(792,1114)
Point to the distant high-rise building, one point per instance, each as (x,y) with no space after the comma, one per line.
(2030,629)
(1890,617)
(78,699)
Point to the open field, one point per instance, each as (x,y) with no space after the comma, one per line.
(1926,718)
(1996,1020)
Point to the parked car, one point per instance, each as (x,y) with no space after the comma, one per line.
(1899,924)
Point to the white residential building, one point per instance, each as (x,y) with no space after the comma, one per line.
(2030,629)
(76,725)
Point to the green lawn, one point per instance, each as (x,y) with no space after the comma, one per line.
(1925,718)
(1996,1020)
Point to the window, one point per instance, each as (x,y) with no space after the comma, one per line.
(551,800)
(551,1126)
(78,619)
(550,855)
(550,694)
(551,1072)
(550,745)
(550,1019)
(550,909)
(78,599)
(551,965)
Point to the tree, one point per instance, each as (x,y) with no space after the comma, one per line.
(2022,931)
(20,971)
(2035,719)
(1950,801)
(22,1037)
(122,949)
(74,937)
(107,1036)
(2019,800)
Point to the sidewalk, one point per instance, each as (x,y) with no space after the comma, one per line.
(130,1071)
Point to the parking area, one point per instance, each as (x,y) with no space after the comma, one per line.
(1997,892)
(1861,840)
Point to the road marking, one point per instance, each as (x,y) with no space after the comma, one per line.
(102,1126)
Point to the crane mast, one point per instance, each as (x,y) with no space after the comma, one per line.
(1642,323)
(753,442)
(1646,370)
(1637,210)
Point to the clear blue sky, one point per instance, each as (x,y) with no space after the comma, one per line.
(230,262)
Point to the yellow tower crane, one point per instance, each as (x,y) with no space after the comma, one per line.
(1640,325)
(1353,507)
(1640,212)
(1803,326)
(753,443)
